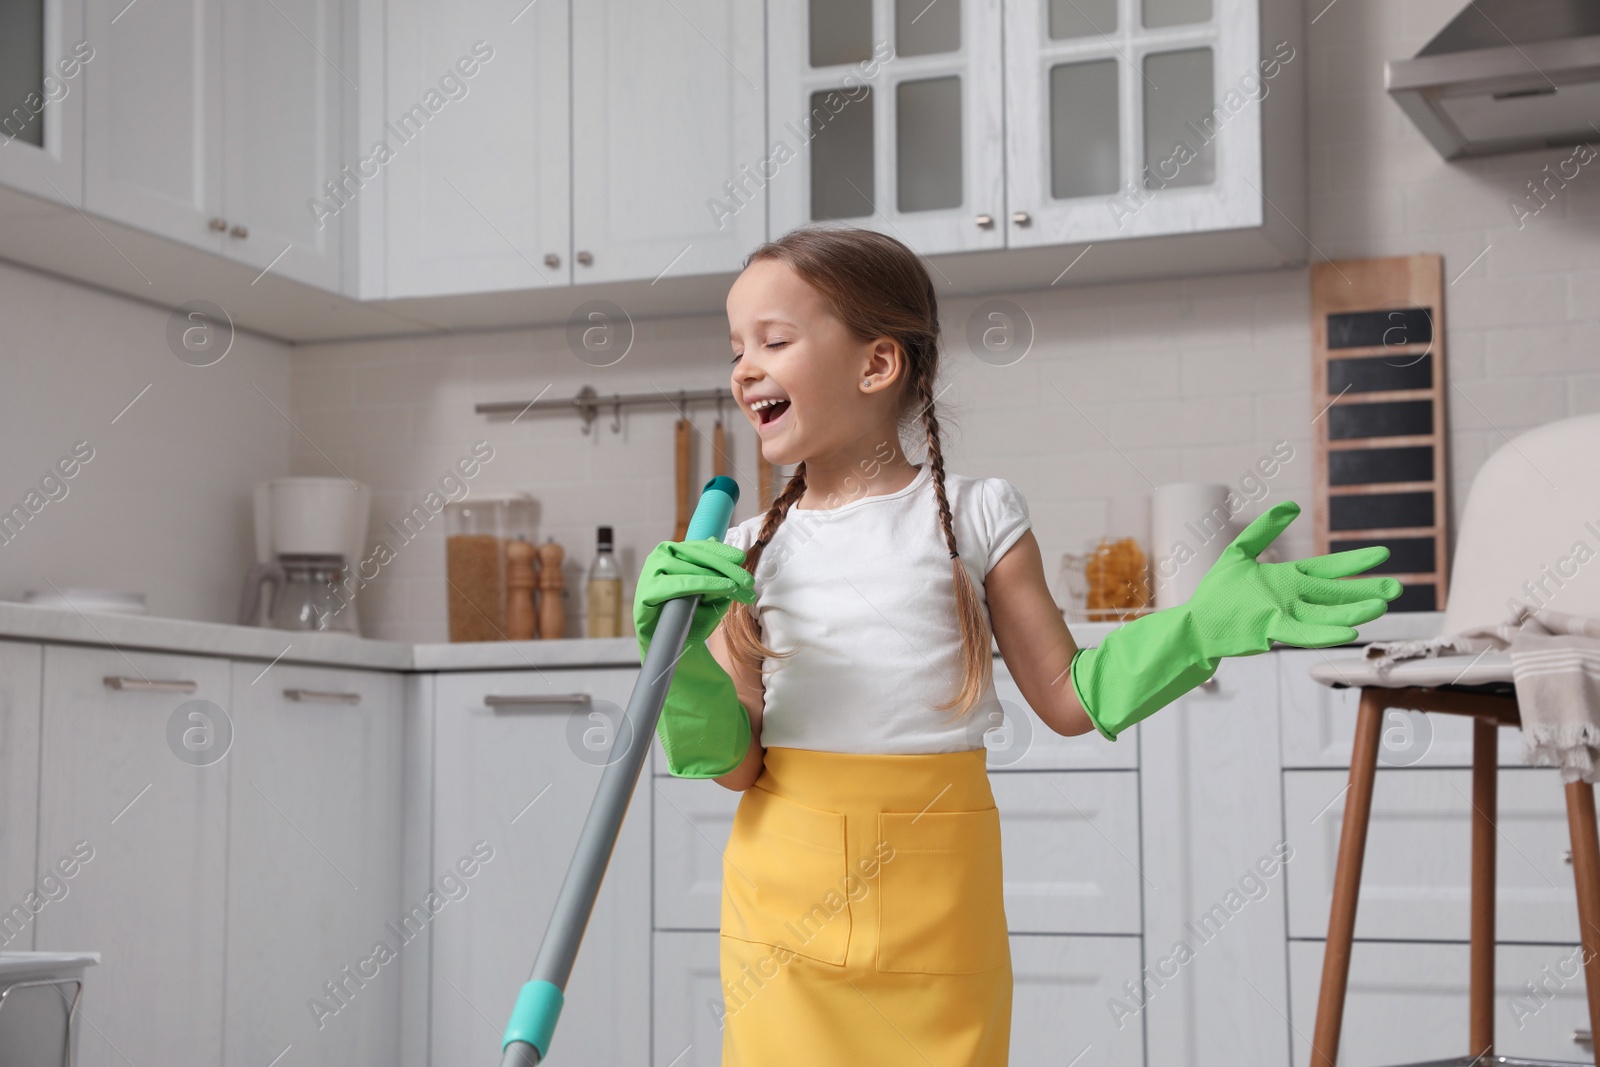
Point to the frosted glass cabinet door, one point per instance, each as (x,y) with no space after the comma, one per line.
(1131,118)
(41,129)
(887,115)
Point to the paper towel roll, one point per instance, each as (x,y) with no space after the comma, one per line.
(1189,527)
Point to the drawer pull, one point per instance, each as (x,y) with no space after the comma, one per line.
(498,701)
(320,696)
(1582,1037)
(115,681)
(1566,856)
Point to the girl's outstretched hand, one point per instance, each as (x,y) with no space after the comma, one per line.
(1241,605)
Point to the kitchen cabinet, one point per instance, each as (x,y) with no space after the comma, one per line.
(20,666)
(667,137)
(888,115)
(314,838)
(41,99)
(693,820)
(1061,992)
(686,1010)
(134,782)
(478,122)
(1215,863)
(1417,872)
(512,785)
(1407,1003)
(217,124)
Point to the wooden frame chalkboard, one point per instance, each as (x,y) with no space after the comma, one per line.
(1377,395)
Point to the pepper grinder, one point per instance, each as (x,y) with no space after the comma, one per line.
(552,591)
(520,557)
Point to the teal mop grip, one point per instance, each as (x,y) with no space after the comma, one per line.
(715,510)
(533,1020)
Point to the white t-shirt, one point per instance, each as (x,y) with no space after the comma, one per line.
(864,594)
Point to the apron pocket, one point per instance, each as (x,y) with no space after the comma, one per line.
(941,900)
(783,877)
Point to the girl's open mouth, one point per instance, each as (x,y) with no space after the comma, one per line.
(771,413)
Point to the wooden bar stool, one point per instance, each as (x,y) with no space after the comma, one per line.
(1527,507)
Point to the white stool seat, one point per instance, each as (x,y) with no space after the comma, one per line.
(1484,668)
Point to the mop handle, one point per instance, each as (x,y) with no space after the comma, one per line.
(533,1020)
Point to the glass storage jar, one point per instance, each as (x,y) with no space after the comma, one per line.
(477,531)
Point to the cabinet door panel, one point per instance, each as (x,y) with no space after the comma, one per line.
(41,128)
(1417,872)
(1407,1003)
(281,141)
(668,115)
(1215,856)
(692,822)
(150,899)
(478,190)
(1070,844)
(153,121)
(1063,989)
(688,1000)
(19,788)
(511,780)
(313,866)
(890,121)
(1022,742)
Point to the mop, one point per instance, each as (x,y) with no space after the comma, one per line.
(533,1020)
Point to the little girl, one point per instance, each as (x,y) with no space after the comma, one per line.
(842,645)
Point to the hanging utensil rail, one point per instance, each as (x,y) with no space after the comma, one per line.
(589,403)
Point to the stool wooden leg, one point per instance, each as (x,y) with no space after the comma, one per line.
(1485,753)
(1347,880)
(1586,876)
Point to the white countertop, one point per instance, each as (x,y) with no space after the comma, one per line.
(30,623)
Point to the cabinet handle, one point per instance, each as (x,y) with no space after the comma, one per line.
(585,259)
(1021,218)
(1582,1037)
(552,260)
(1566,856)
(218,224)
(115,681)
(497,700)
(985,222)
(1210,684)
(320,696)
(239,231)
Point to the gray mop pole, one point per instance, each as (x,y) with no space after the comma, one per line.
(533,1020)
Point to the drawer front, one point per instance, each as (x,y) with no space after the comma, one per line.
(1407,1003)
(687,1008)
(1068,1001)
(1319,723)
(1417,871)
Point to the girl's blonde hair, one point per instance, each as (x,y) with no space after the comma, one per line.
(878,288)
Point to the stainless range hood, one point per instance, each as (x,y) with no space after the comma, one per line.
(1505,76)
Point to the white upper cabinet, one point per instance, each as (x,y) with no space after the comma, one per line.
(153,120)
(41,98)
(477,122)
(887,115)
(667,121)
(1134,118)
(283,91)
(216,123)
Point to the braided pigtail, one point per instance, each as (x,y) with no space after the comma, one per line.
(739,626)
(977,664)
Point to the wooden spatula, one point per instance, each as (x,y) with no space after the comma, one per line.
(685,430)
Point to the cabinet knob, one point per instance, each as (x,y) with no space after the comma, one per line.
(218,224)
(238,231)
(1021,218)
(552,260)
(585,259)
(985,222)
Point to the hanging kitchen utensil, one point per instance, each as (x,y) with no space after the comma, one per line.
(685,431)
(719,444)
(763,477)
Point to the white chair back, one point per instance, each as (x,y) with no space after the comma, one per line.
(1531,529)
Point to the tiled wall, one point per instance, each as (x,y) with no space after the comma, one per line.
(1168,380)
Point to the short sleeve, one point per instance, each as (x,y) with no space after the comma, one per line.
(743,535)
(1005,517)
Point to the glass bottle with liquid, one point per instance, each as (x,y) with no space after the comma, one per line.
(604,590)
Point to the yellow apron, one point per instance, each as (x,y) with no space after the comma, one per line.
(862,914)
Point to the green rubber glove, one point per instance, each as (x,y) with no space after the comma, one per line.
(1239,608)
(704,729)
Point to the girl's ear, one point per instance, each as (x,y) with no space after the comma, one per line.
(885,365)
